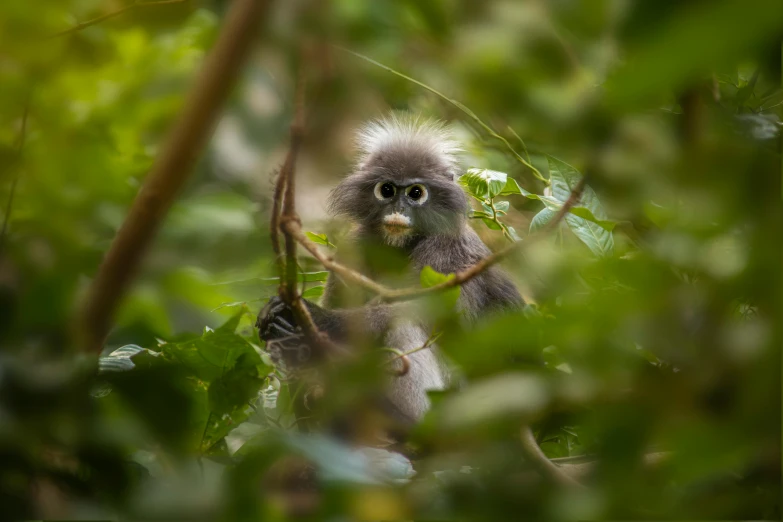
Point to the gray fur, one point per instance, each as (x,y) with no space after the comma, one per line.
(441,239)
(404,151)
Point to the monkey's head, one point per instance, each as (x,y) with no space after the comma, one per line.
(404,184)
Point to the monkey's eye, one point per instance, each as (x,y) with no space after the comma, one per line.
(385,190)
(417,193)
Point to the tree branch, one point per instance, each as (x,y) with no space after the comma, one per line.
(288,285)
(172,167)
(285,190)
(294,229)
(113,14)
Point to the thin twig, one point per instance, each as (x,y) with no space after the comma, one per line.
(289,276)
(387,294)
(429,342)
(295,230)
(17,158)
(113,14)
(403,356)
(171,169)
(274,225)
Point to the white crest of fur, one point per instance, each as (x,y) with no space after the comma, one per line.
(402,129)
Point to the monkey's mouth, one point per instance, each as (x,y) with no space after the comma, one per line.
(396,224)
(396,229)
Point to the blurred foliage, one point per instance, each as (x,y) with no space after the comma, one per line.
(655,305)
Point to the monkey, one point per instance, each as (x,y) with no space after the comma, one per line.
(403,195)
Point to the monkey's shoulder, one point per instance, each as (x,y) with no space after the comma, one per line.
(492,289)
(450,253)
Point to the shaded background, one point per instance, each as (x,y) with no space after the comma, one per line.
(668,341)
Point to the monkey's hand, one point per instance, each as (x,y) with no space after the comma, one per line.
(284,338)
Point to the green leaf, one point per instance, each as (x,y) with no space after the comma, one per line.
(209,356)
(429,277)
(551,202)
(319,239)
(483,183)
(586,213)
(492,224)
(597,239)
(314,292)
(541,219)
(475,214)
(217,426)
(120,359)
(235,387)
(511,188)
(565,179)
(502,206)
(223,372)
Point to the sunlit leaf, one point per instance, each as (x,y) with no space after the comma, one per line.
(319,239)
(483,183)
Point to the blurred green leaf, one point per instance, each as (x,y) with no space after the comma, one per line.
(586,213)
(446,299)
(565,179)
(314,292)
(700,37)
(494,398)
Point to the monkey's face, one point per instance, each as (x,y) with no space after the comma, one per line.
(401,207)
(404,187)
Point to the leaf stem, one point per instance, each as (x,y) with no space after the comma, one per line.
(15,182)
(489,130)
(113,14)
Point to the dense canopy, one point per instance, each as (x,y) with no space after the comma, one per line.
(629,151)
